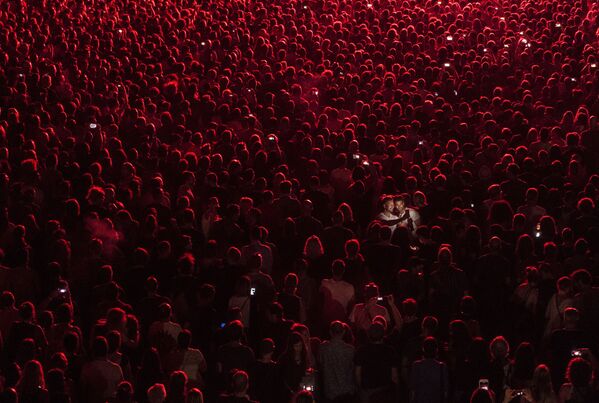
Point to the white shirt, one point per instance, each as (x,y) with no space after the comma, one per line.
(100,379)
(340,291)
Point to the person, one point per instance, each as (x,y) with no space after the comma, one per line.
(164,332)
(482,395)
(292,303)
(32,386)
(177,387)
(429,380)
(293,363)
(149,374)
(376,367)
(564,342)
(587,302)
(25,327)
(409,218)
(257,246)
(100,377)
(363,313)
(265,385)
(124,393)
(578,387)
(499,349)
(387,213)
(234,354)
(336,360)
(337,295)
(187,359)
(195,395)
(334,236)
(58,391)
(558,303)
(541,388)
(242,299)
(239,388)
(448,285)
(156,393)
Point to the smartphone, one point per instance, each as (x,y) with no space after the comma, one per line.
(483,383)
(271,138)
(518,393)
(365,163)
(252,291)
(62,290)
(380,299)
(93,125)
(222,325)
(576,353)
(356,156)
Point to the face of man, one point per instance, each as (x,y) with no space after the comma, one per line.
(400,205)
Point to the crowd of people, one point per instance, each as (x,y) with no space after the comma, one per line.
(342,201)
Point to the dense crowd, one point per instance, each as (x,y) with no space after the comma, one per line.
(334,201)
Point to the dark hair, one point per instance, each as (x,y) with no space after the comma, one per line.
(430,347)
(184,339)
(579,372)
(177,383)
(100,347)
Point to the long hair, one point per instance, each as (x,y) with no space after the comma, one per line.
(541,387)
(32,377)
(288,354)
(347,211)
(313,248)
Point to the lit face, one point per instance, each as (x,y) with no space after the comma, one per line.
(400,205)
(388,206)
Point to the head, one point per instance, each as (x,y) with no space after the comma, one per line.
(579,372)
(387,204)
(177,385)
(266,348)
(337,330)
(240,383)
(371,292)
(499,348)
(313,248)
(338,269)
(32,377)
(376,332)
(430,347)
(399,203)
(156,393)
(541,382)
